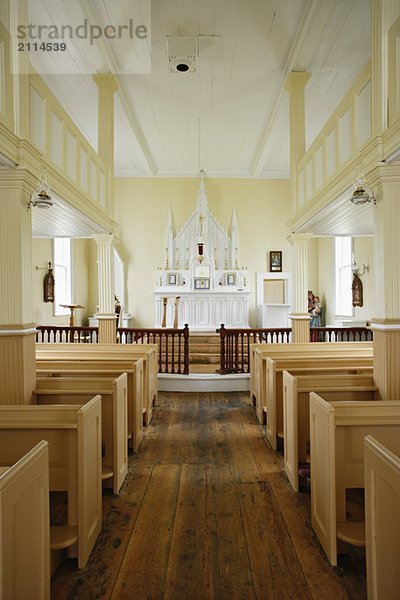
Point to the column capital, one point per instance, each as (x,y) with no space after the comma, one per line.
(299,238)
(384,173)
(296,79)
(104,239)
(106,80)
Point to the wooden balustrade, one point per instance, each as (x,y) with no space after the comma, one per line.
(340,334)
(173,346)
(235,343)
(235,346)
(62,334)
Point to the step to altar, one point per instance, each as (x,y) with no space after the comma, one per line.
(203,382)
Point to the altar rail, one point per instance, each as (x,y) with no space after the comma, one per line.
(235,346)
(173,346)
(235,343)
(173,356)
(340,334)
(65,334)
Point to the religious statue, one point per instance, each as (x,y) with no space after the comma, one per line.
(357,291)
(48,285)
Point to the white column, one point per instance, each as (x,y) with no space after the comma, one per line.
(17,330)
(386,325)
(106,314)
(300,317)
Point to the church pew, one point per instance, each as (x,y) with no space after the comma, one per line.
(382,531)
(296,410)
(259,352)
(345,363)
(337,432)
(137,389)
(135,397)
(74,437)
(114,430)
(25,526)
(111,352)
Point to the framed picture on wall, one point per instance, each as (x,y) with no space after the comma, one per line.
(230,279)
(275,261)
(172,279)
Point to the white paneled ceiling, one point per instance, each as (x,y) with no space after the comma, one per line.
(62,220)
(230,117)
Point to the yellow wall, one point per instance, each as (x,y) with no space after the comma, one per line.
(141,204)
(42,253)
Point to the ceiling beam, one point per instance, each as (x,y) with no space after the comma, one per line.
(258,164)
(109,59)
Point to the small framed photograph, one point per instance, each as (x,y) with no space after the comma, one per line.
(201,284)
(230,279)
(275,261)
(172,279)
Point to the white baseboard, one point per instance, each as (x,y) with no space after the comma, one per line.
(203,383)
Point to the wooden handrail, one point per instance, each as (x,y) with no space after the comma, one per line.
(173,346)
(61,334)
(235,345)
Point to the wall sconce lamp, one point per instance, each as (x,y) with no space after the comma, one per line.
(41,198)
(355,268)
(360,195)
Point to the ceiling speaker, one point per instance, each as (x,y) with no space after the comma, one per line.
(182,54)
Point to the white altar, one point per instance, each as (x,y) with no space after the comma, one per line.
(201,283)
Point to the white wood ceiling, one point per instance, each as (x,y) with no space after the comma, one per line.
(231,116)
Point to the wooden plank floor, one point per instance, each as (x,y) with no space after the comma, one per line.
(206,513)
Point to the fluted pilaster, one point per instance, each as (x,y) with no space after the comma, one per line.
(295,85)
(17,331)
(385,180)
(106,314)
(300,317)
(16,306)
(386,183)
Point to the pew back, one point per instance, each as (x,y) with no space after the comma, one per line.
(74,437)
(273,393)
(337,432)
(114,421)
(90,369)
(296,413)
(382,503)
(25,527)
(260,351)
(110,353)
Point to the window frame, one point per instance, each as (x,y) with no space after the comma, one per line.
(338,286)
(58,311)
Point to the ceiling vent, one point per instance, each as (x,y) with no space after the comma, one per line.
(182,54)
